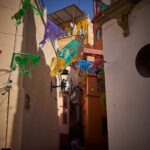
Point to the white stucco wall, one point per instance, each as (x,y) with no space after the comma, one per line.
(127,92)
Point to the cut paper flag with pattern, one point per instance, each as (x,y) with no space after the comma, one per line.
(22,12)
(52,32)
(69,51)
(25,62)
(104,6)
(97,64)
(57,66)
(85,65)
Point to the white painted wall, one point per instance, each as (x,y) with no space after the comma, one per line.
(127,92)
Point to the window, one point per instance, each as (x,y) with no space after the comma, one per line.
(142,61)
(64,117)
(99,6)
(98,33)
(65,101)
(41,4)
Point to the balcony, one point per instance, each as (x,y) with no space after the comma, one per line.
(117,10)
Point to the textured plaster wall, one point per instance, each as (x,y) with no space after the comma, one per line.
(64,128)
(40,122)
(36,128)
(127,92)
(16,94)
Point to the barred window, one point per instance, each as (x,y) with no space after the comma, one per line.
(100,85)
(98,33)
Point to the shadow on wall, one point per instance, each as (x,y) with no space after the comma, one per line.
(40,120)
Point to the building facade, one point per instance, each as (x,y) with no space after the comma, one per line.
(126,49)
(94,114)
(78,27)
(28,110)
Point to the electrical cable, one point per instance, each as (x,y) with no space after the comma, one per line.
(8,82)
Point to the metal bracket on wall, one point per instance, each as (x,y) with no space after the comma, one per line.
(53,86)
(123,23)
(62,85)
(118,10)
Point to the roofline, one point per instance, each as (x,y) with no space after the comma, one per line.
(68,7)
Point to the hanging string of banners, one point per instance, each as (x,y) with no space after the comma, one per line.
(90,66)
(52,32)
(25,62)
(65,57)
(69,51)
(22,12)
(57,66)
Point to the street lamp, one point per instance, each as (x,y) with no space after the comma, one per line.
(63,83)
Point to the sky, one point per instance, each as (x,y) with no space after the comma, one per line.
(54,5)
